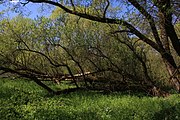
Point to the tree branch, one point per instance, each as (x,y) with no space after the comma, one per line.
(74,8)
(30,76)
(103,20)
(120,31)
(108,3)
(150,19)
(51,62)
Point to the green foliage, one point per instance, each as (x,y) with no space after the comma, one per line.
(40,45)
(81,44)
(22,99)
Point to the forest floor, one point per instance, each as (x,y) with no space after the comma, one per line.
(24,100)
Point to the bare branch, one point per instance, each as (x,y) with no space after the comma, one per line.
(74,8)
(108,3)
(24,3)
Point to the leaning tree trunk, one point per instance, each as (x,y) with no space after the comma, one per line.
(165,9)
(167,56)
(164,21)
(171,68)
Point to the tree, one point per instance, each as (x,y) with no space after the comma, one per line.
(27,53)
(157,14)
(47,49)
(144,21)
(96,50)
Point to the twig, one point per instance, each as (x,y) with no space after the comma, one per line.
(105,11)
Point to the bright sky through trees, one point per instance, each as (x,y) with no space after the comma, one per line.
(30,10)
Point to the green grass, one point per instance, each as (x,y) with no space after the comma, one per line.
(24,100)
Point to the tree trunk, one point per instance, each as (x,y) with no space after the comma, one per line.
(171,68)
(165,25)
(166,9)
(43,85)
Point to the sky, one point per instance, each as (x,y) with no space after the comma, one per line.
(30,10)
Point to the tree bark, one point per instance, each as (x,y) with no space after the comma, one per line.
(43,85)
(171,68)
(167,30)
(165,7)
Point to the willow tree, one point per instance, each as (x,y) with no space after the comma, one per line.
(157,15)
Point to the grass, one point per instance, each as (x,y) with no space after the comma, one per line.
(24,100)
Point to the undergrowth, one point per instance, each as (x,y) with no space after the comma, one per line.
(24,100)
